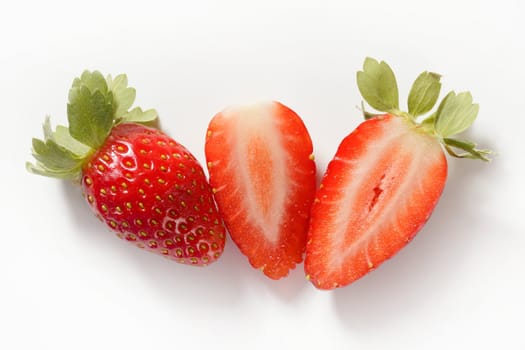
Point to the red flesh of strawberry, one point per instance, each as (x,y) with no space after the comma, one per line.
(377,193)
(263,175)
(154,194)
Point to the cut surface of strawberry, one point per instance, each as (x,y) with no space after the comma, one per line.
(377,192)
(263,176)
(386,176)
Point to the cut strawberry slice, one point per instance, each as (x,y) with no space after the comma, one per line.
(378,191)
(263,175)
(386,177)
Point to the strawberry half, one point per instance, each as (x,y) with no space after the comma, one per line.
(263,177)
(144,185)
(385,178)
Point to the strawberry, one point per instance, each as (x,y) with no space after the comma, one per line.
(386,176)
(262,173)
(146,187)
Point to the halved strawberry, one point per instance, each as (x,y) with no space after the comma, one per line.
(263,176)
(386,177)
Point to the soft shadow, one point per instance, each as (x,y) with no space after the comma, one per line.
(219,284)
(421,271)
(225,282)
(287,288)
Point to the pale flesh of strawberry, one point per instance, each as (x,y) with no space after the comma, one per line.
(377,193)
(263,175)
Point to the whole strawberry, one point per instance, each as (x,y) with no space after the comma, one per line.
(145,186)
(386,176)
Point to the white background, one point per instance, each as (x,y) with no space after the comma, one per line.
(67,283)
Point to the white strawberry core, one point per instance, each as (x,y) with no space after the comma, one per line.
(261,164)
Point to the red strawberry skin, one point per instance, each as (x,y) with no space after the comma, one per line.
(154,194)
(263,176)
(377,193)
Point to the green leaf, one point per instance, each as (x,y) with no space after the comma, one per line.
(123,96)
(54,160)
(90,115)
(59,154)
(93,81)
(53,156)
(430,120)
(424,93)
(468,147)
(63,138)
(455,114)
(136,115)
(37,169)
(378,86)
(428,124)
(48,131)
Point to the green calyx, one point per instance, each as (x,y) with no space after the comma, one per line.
(454,114)
(95,105)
